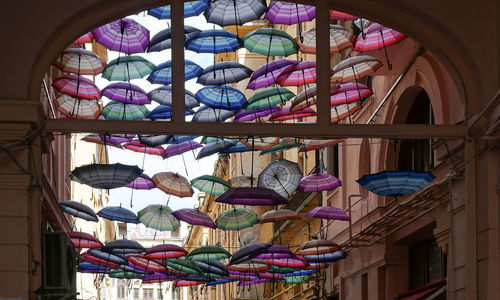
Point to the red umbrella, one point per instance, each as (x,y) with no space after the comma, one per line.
(341,16)
(148,264)
(298,74)
(86,38)
(165,251)
(138,147)
(286,114)
(341,112)
(84,240)
(77,87)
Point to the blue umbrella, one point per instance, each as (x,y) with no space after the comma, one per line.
(191,9)
(162,74)
(177,139)
(214,41)
(210,114)
(219,281)
(163,95)
(224,73)
(86,267)
(118,213)
(163,112)
(215,147)
(326,257)
(239,147)
(223,97)
(300,273)
(163,39)
(396,183)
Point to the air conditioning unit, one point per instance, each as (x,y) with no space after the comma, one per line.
(58,265)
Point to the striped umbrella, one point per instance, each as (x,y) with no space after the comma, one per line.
(270,42)
(214,267)
(235,12)
(215,147)
(106,176)
(77,87)
(214,41)
(163,96)
(163,39)
(123,246)
(126,92)
(143,182)
(158,217)
(282,176)
(105,256)
(266,74)
(84,240)
(207,253)
(307,97)
(191,9)
(253,265)
(274,252)
(212,185)
(80,61)
(238,148)
(121,274)
(147,264)
(165,251)
(126,68)
(85,38)
(268,97)
(136,146)
(310,144)
(222,97)
(236,219)
(396,183)
(298,74)
(194,217)
(183,265)
(224,73)
(354,68)
(294,262)
(341,16)
(254,196)
(115,110)
(329,213)
(285,114)
(164,112)
(177,139)
(241,181)
(341,112)
(86,267)
(327,257)
(315,247)
(277,215)
(350,92)
(103,263)
(319,182)
(118,213)
(123,35)
(287,13)
(210,114)
(255,115)
(78,210)
(245,252)
(177,149)
(162,74)
(76,108)
(340,39)
(284,144)
(173,184)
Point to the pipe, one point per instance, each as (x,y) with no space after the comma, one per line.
(350,214)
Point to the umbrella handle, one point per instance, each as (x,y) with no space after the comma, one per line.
(389,65)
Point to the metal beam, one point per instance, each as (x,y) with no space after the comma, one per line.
(323,62)
(178,105)
(399,131)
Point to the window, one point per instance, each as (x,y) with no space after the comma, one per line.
(159,292)
(147,294)
(427,263)
(121,289)
(364,286)
(136,293)
(333,160)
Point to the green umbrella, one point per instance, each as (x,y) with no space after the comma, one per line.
(125,275)
(297,279)
(212,185)
(158,217)
(284,144)
(207,253)
(126,68)
(275,269)
(270,42)
(268,97)
(236,219)
(208,139)
(115,110)
(183,265)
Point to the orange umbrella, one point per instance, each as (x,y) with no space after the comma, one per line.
(276,215)
(173,184)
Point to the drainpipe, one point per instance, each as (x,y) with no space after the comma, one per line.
(350,214)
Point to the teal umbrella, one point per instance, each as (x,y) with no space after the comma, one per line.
(126,68)
(115,110)
(158,217)
(208,253)
(270,42)
(268,97)
(236,219)
(183,265)
(212,185)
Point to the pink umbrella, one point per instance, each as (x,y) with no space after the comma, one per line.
(319,182)
(318,144)
(143,182)
(77,87)
(138,147)
(165,251)
(84,240)
(354,68)
(344,111)
(298,74)
(286,114)
(86,38)
(194,217)
(350,92)
(266,74)
(328,212)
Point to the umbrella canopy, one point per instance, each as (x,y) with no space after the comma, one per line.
(86,267)
(105,140)
(212,185)
(85,38)
(327,257)
(341,16)
(173,184)
(177,149)
(214,41)
(239,147)
(396,183)
(207,253)
(165,251)
(106,176)
(215,147)
(210,114)
(248,250)
(256,115)
(147,264)
(115,110)
(235,12)
(266,74)
(236,219)
(77,87)
(222,97)
(121,274)
(177,139)
(84,240)
(274,252)
(162,74)
(344,111)
(253,265)
(105,256)
(142,182)
(260,143)
(164,112)
(163,39)
(212,266)
(284,144)
(329,213)
(88,258)
(184,283)
(282,176)
(295,262)
(315,247)
(80,61)
(310,144)
(191,9)
(319,182)
(76,108)
(286,113)
(194,217)
(241,181)
(340,39)
(158,217)
(277,215)
(183,265)
(354,68)
(122,247)
(270,42)
(268,97)
(118,213)
(350,92)
(126,68)
(224,73)
(280,12)
(123,35)
(254,196)
(126,92)
(298,74)
(163,96)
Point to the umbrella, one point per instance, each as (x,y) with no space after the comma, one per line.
(254,115)
(177,139)
(396,183)
(327,257)
(272,276)
(164,112)
(176,149)
(319,182)
(268,97)
(254,196)
(103,140)
(212,185)
(183,265)
(218,281)
(295,262)
(163,39)
(285,114)
(341,112)
(260,143)
(142,182)
(77,87)
(80,61)
(162,74)
(376,37)
(241,181)
(235,12)
(300,273)
(298,74)
(280,12)
(147,264)
(307,97)
(274,252)
(284,144)
(214,41)
(212,266)
(266,74)
(173,184)
(165,251)
(215,147)
(123,35)
(355,68)
(76,108)
(207,253)
(154,140)
(329,213)
(341,16)
(239,147)
(222,97)
(282,176)
(340,39)
(158,217)
(349,93)
(105,257)
(315,247)
(163,95)
(184,283)
(194,217)
(253,265)
(118,213)
(126,68)
(236,219)
(115,110)
(85,38)
(224,73)
(278,215)
(210,139)
(126,92)
(86,267)
(122,247)
(247,251)
(98,261)
(318,144)
(106,176)
(121,274)
(84,240)
(210,114)
(191,9)
(270,42)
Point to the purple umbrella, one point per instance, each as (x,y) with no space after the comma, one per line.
(274,252)
(280,12)
(328,212)
(319,182)
(117,138)
(143,182)
(266,74)
(254,114)
(123,35)
(255,196)
(176,149)
(127,93)
(194,217)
